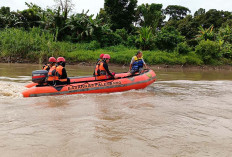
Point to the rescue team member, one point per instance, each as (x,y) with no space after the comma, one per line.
(98,63)
(137,63)
(102,70)
(48,66)
(52,78)
(61,72)
(100,58)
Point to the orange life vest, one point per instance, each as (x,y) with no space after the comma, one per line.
(46,67)
(52,74)
(59,74)
(101,71)
(97,70)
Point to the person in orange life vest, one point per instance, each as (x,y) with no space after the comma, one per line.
(98,63)
(100,58)
(102,70)
(61,72)
(48,66)
(52,78)
(137,63)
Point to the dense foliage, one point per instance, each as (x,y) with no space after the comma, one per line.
(168,36)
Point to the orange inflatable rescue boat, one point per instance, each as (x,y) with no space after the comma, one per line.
(82,85)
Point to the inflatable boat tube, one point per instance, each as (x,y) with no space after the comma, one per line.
(88,85)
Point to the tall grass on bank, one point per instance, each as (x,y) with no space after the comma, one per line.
(124,57)
(33,45)
(38,45)
(17,42)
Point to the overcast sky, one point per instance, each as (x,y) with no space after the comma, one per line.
(94,5)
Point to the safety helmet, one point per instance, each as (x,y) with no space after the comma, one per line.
(52,60)
(102,55)
(106,56)
(60,59)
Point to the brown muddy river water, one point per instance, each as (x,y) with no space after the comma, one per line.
(186,113)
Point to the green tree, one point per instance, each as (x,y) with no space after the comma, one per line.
(206,34)
(66,6)
(5,11)
(146,38)
(213,17)
(149,15)
(103,16)
(123,33)
(199,12)
(121,13)
(30,18)
(225,34)
(183,48)
(80,26)
(209,51)
(176,12)
(4,16)
(227,22)
(27,18)
(216,18)
(10,19)
(168,38)
(188,27)
(224,38)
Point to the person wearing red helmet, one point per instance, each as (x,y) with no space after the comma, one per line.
(101,56)
(52,78)
(52,62)
(61,72)
(98,63)
(102,70)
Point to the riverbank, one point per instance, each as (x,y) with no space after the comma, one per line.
(126,66)
(32,47)
(120,55)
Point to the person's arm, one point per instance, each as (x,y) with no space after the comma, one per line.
(107,69)
(48,68)
(145,64)
(132,61)
(130,67)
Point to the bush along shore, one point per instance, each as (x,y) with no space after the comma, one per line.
(35,34)
(36,46)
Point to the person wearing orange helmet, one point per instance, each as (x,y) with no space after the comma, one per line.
(98,62)
(61,72)
(102,70)
(52,62)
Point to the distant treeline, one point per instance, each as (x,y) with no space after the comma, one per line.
(36,33)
